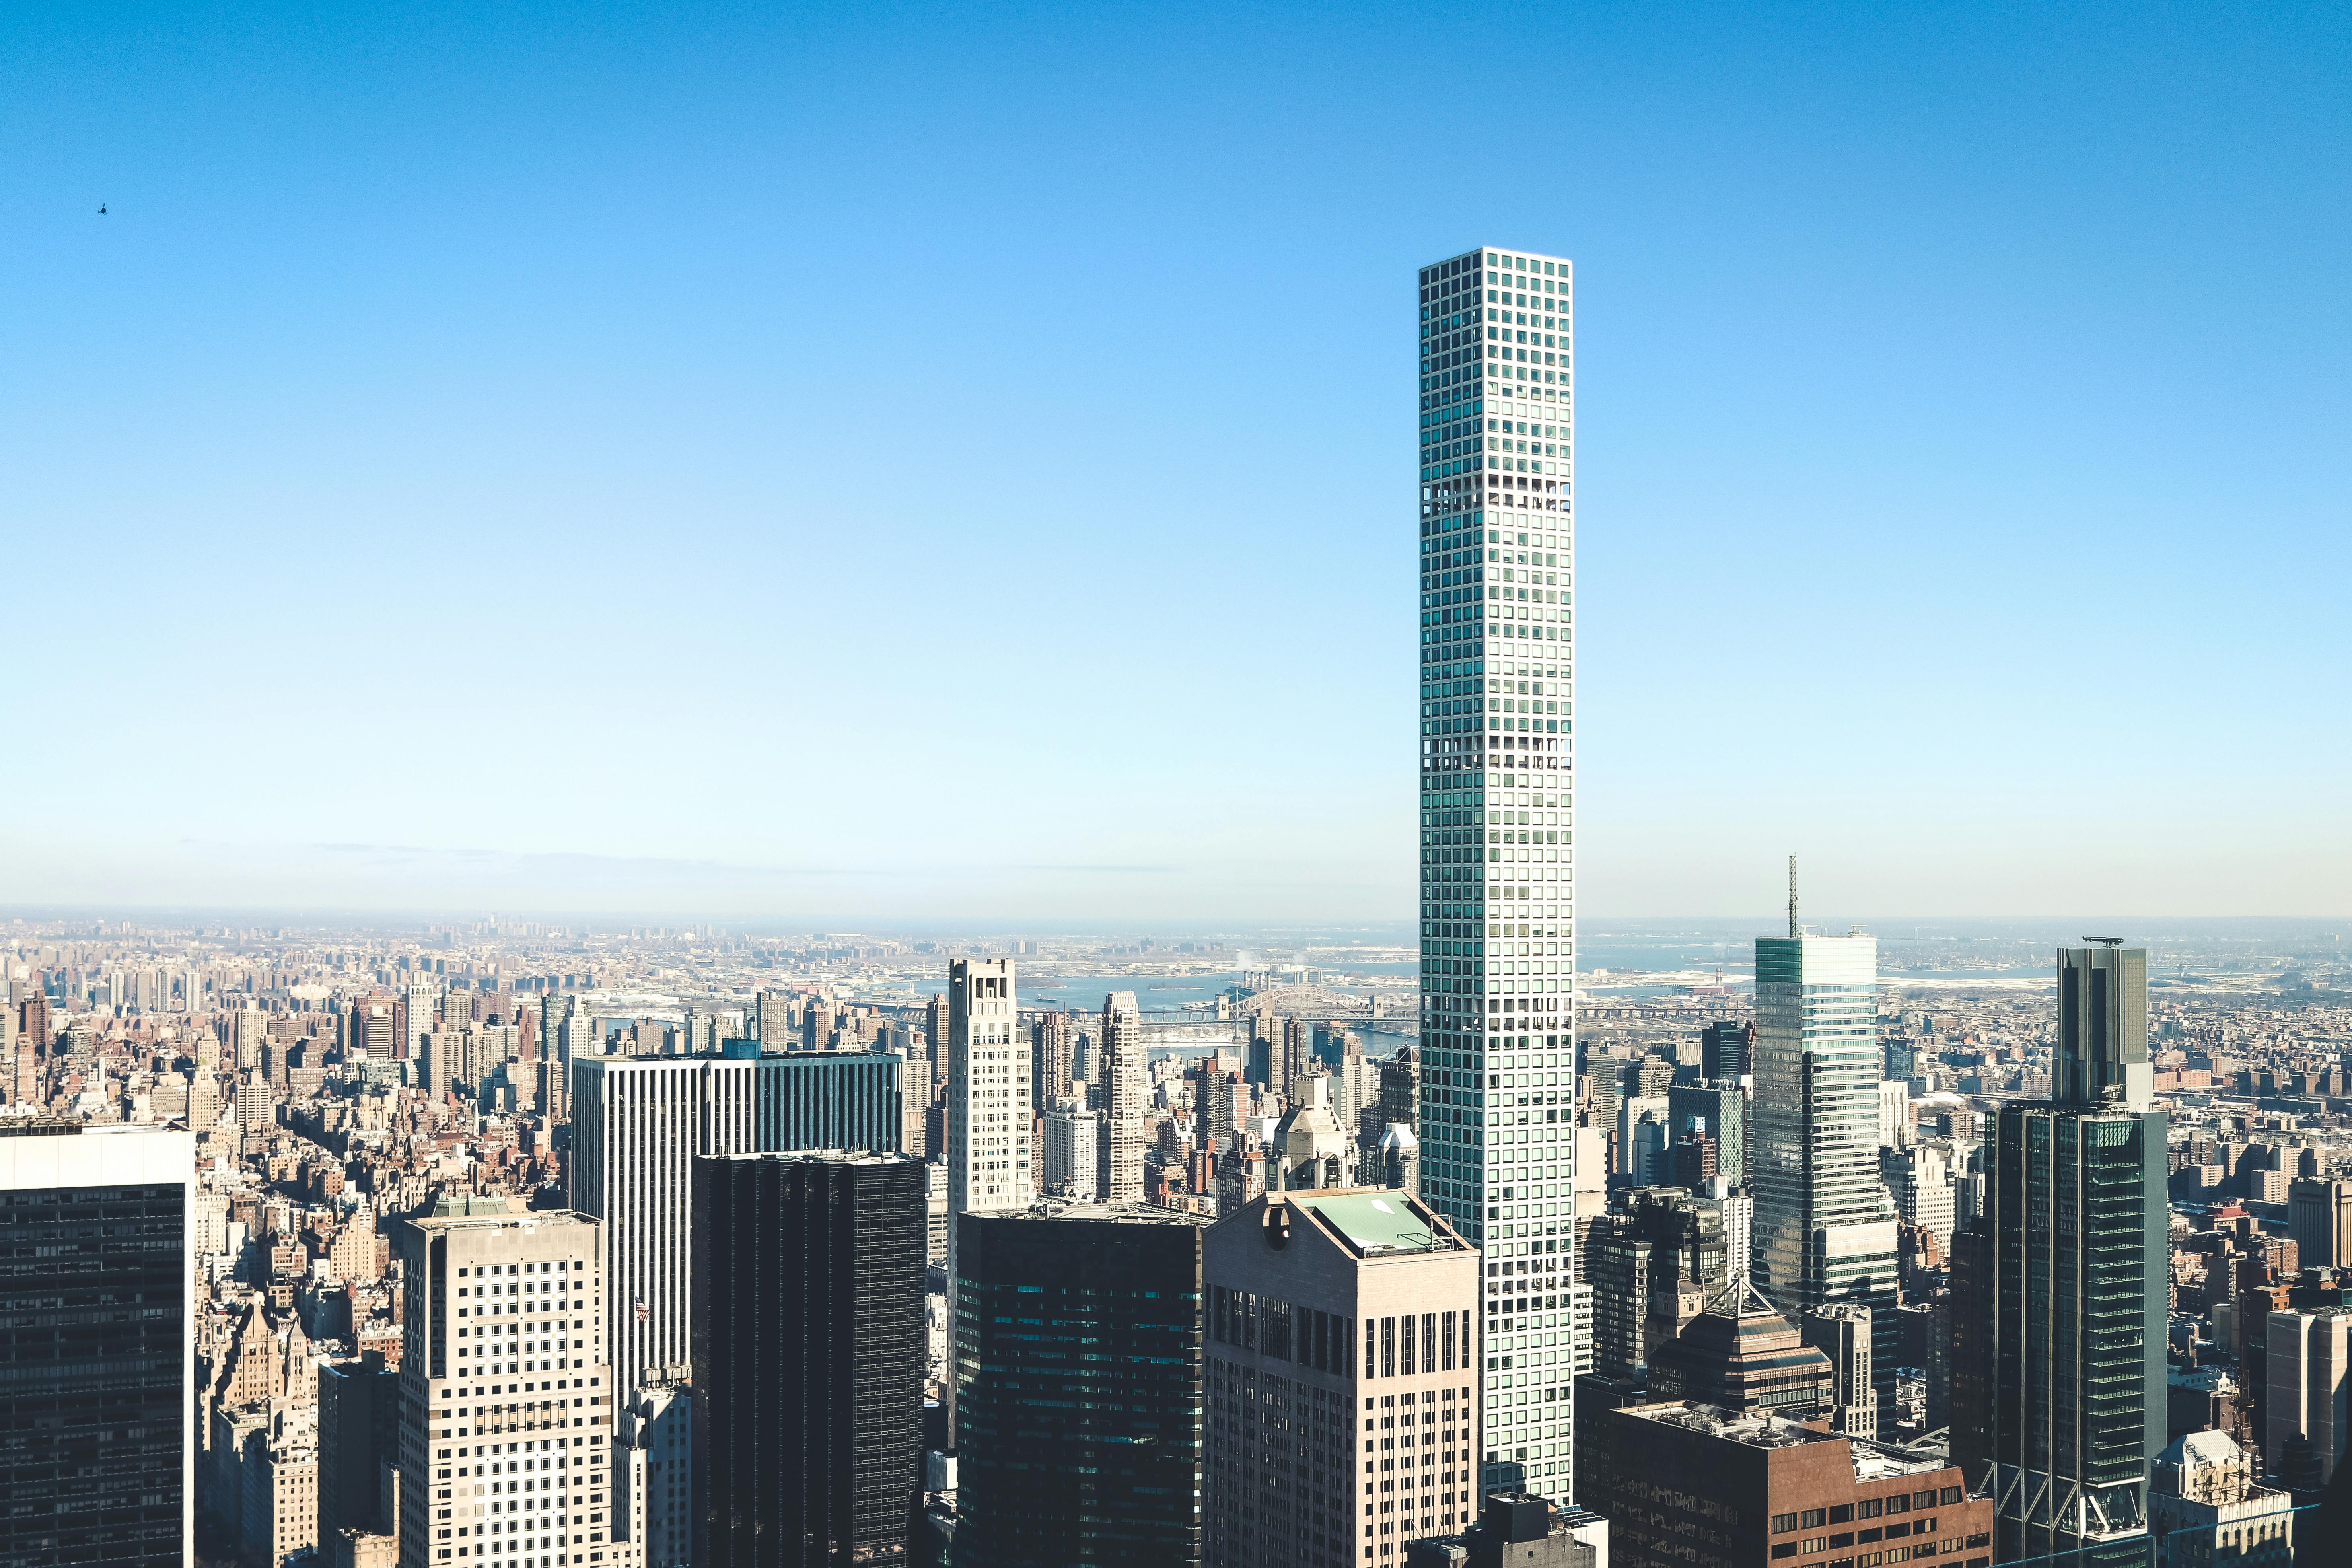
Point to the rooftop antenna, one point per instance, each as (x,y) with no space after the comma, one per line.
(1792,895)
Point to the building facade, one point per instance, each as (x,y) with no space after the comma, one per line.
(97,1267)
(1842,1332)
(637,1124)
(358,1433)
(507,1402)
(1721,1111)
(1497,783)
(1742,1356)
(1077,1401)
(808,1357)
(989,1100)
(2206,1507)
(1323,1310)
(640,1121)
(2307,1358)
(2080,1288)
(1825,1231)
(1071,1132)
(2319,1216)
(1694,1487)
(1118,1147)
(829,1100)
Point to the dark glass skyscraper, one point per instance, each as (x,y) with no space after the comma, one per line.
(1078,1399)
(808,1357)
(2079,1289)
(97,1359)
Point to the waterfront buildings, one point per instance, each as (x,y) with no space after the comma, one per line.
(1825,1231)
(1077,1386)
(2079,1290)
(1324,1308)
(808,1357)
(506,1399)
(1497,789)
(96,1321)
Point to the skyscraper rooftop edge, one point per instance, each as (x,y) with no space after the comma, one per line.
(1121,1214)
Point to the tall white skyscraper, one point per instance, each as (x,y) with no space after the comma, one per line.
(638,1122)
(1497,798)
(988,1090)
(1119,1147)
(1826,1228)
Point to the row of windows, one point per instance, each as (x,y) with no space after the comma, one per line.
(1868,1507)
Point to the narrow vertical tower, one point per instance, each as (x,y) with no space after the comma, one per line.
(1120,1142)
(1826,1228)
(2079,1293)
(988,1090)
(1496,559)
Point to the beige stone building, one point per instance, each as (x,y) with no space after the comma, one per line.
(1340,1331)
(507,1412)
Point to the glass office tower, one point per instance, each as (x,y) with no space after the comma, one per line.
(808,1357)
(1497,798)
(1824,1229)
(1077,1405)
(2079,1290)
(97,1344)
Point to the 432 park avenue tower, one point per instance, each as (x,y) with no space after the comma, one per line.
(1497,862)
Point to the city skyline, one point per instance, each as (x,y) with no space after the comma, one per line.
(567,856)
(337,426)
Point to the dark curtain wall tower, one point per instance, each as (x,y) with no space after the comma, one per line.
(2079,1290)
(1078,1388)
(808,1361)
(97,1364)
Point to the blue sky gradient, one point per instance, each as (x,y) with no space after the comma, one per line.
(894,463)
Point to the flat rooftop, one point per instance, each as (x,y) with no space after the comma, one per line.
(820,1157)
(1377,1224)
(1871,1460)
(1116,1214)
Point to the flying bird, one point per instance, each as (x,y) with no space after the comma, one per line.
(101,210)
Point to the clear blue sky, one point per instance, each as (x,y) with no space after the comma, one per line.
(883,464)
